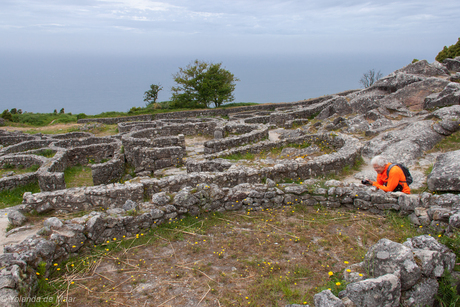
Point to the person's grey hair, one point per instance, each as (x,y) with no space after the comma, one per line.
(379,161)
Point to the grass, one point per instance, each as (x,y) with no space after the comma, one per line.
(240,156)
(9,198)
(448,293)
(272,257)
(18,169)
(356,167)
(449,143)
(47,153)
(78,176)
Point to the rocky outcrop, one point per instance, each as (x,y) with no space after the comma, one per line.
(452,64)
(395,275)
(449,96)
(404,145)
(424,68)
(445,175)
(413,95)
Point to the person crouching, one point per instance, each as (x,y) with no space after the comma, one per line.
(392,181)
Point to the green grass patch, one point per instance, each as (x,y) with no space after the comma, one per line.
(449,143)
(9,198)
(20,169)
(356,167)
(47,153)
(78,176)
(240,156)
(43,119)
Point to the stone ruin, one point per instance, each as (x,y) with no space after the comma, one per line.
(401,116)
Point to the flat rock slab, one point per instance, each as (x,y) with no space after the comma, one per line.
(445,175)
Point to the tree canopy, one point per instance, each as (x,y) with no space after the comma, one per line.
(151,95)
(201,84)
(449,52)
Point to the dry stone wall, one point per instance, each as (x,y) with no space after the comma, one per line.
(69,150)
(68,237)
(115,120)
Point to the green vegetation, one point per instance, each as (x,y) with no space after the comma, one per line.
(350,169)
(449,52)
(47,153)
(240,156)
(9,198)
(449,143)
(78,176)
(20,169)
(43,119)
(201,84)
(151,95)
(447,292)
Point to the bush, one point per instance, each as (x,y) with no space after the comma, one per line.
(43,119)
(81,115)
(449,52)
(6,115)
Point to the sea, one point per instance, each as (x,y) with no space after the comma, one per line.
(92,84)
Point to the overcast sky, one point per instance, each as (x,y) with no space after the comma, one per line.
(228,26)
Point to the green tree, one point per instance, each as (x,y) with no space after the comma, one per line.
(6,115)
(201,84)
(449,52)
(61,111)
(151,95)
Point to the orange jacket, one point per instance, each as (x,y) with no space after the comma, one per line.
(395,177)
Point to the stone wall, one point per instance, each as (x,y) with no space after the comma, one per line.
(280,118)
(11,182)
(71,135)
(24,146)
(14,138)
(148,152)
(70,150)
(115,120)
(218,145)
(442,213)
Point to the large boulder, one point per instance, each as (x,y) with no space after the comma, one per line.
(424,68)
(339,106)
(396,81)
(388,257)
(450,95)
(413,95)
(404,145)
(445,175)
(366,101)
(383,291)
(16,218)
(185,199)
(452,64)
(422,294)
(327,299)
(433,257)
